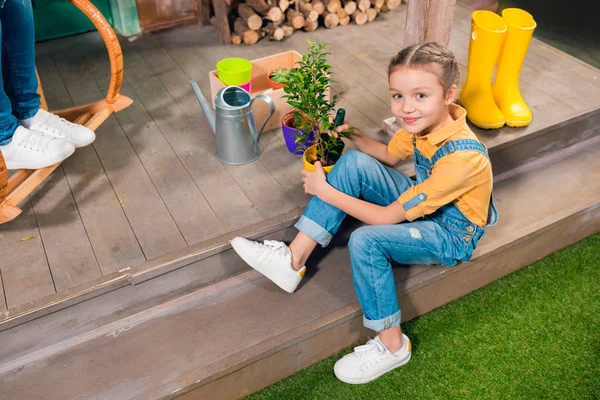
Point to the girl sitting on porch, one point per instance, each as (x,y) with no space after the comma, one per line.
(437,219)
(30,137)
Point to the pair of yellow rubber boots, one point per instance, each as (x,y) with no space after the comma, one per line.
(503,40)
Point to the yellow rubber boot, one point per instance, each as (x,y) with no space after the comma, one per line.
(506,87)
(488,31)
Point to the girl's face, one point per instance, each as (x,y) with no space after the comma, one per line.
(418,100)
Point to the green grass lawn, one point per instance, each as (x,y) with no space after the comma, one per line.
(534,334)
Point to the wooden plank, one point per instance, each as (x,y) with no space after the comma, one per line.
(204,12)
(286,168)
(2,295)
(43,336)
(589,73)
(110,234)
(147,214)
(174,64)
(190,210)
(253,178)
(67,246)
(439,21)
(267,195)
(360,43)
(159,63)
(209,248)
(68,249)
(348,62)
(416,22)
(428,21)
(211,176)
(52,303)
(23,267)
(222,21)
(553,138)
(282,364)
(324,301)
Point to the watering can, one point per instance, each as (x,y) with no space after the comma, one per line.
(233,123)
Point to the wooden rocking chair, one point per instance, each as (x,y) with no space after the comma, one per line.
(15,189)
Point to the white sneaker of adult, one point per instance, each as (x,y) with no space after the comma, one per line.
(370,361)
(55,126)
(32,150)
(273,259)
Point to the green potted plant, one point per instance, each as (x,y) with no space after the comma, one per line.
(306,85)
(272,84)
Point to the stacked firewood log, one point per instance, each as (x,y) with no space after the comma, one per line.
(278,19)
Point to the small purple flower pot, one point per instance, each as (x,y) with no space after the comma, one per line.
(287,122)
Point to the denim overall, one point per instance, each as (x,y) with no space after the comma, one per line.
(444,237)
(465,234)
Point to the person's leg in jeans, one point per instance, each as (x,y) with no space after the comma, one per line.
(358,175)
(372,249)
(19,50)
(8,122)
(355,174)
(19,100)
(18,58)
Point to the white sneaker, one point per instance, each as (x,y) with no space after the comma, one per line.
(55,126)
(370,361)
(273,259)
(33,150)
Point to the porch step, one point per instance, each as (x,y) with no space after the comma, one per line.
(508,148)
(241,333)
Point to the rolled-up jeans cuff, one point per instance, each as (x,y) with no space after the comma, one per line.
(314,230)
(381,324)
(26,110)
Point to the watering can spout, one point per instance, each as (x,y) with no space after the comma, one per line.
(210,115)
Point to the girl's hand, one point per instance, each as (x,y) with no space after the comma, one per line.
(314,182)
(345,126)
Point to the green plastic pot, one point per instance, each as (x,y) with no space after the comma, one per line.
(234,71)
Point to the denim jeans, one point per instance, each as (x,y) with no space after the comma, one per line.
(431,240)
(18,95)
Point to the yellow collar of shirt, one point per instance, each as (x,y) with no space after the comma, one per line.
(459,115)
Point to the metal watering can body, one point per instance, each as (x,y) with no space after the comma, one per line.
(233,124)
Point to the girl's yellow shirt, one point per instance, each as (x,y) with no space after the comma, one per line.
(463,177)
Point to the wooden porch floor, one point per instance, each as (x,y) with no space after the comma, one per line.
(150,186)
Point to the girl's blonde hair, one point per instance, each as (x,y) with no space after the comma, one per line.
(425,54)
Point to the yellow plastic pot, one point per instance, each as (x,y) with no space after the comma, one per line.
(234,71)
(488,31)
(506,87)
(309,157)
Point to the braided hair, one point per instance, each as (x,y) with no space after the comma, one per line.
(425,54)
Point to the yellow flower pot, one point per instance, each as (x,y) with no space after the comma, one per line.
(309,157)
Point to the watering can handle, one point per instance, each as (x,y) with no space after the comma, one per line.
(271,105)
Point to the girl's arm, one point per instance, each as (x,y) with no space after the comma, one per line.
(364,211)
(316,184)
(365,144)
(375,149)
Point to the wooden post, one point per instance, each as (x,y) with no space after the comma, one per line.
(428,21)
(221,16)
(203,12)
